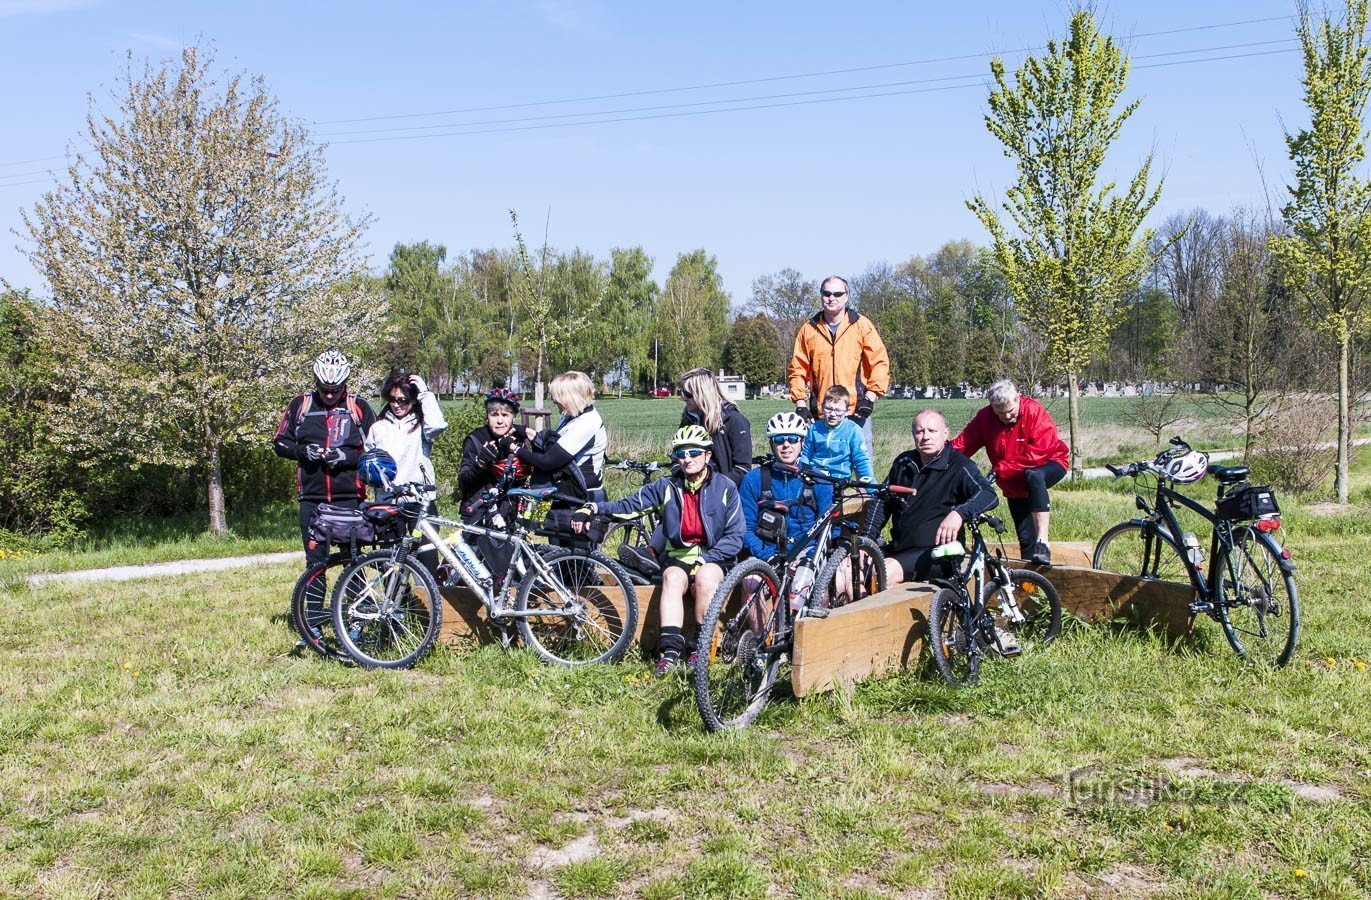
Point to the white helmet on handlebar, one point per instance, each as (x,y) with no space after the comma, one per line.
(1187,468)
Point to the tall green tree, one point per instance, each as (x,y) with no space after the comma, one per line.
(198,259)
(1327,253)
(1070,247)
(627,309)
(545,321)
(414,285)
(753,350)
(692,316)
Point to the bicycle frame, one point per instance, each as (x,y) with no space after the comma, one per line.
(1160,513)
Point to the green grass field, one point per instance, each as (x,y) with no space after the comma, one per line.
(159,738)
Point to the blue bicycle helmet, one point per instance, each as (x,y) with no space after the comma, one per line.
(377,468)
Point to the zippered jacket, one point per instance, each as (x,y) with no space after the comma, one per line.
(1030,442)
(951,482)
(786,487)
(720,511)
(345,426)
(836,452)
(732,452)
(855,358)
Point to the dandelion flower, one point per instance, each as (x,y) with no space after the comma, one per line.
(1301,873)
(128,665)
(1332,660)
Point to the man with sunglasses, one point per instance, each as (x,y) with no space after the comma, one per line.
(702,521)
(323,431)
(838,346)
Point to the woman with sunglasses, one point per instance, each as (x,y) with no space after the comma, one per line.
(406,430)
(729,431)
(702,521)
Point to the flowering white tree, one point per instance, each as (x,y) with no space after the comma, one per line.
(198,258)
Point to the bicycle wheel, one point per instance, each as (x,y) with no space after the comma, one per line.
(628,533)
(1258,605)
(1148,551)
(309,608)
(1037,600)
(840,582)
(735,672)
(387,613)
(955,650)
(583,610)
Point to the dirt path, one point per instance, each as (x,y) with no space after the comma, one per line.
(154,570)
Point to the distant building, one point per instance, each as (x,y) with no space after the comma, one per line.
(733,387)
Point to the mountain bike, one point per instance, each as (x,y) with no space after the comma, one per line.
(633,530)
(309,607)
(986,608)
(747,635)
(1248,587)
(571,607)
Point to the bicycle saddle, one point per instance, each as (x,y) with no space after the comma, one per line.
(542,492)
(1230,474)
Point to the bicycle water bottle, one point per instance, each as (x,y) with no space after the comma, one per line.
(801,583)
(472,562)
(1193,551)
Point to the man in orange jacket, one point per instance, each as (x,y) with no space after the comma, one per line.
(838,346)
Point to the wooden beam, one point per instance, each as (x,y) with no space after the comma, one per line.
(882,633)
(886,632)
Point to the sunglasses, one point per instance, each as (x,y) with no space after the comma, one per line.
(786,439)
(330,388)
(400,398)
(833,293)
(688,454)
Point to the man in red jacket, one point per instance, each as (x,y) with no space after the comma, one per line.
(1021,442)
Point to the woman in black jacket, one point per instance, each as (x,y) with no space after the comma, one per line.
(705,405)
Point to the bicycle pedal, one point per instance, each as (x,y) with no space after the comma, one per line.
(1201,606)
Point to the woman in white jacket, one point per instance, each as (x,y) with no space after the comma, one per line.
(408,427)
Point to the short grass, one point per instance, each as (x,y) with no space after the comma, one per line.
(159,738)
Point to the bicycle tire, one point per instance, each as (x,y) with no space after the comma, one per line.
(951,640)
(1145,551)
(386,613)
(1260,625)
(310,610)
(871,581)
(590,628)
(736,668)
(1041,605)
(630,532)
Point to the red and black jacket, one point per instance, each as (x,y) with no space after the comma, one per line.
(307,421)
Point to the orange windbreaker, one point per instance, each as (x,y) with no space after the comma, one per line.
(854,358)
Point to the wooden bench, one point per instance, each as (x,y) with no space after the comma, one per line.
(886,632)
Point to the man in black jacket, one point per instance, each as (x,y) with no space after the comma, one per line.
(323,430)
(949,490)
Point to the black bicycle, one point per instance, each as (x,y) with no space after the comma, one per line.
(1248,586)
(987,609)
(634,530)
(748,632)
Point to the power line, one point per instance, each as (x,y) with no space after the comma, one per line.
(865,87)
(701,112)
(25,162)
(24,174)
(720,84)
(18,183)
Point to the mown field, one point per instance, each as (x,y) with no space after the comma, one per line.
(159,738)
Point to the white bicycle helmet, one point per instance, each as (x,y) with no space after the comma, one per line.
(1188,467)
(332,367)
(786,423)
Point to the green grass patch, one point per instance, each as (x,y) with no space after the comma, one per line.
(161,738)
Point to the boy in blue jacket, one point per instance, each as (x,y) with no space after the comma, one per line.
(835,446)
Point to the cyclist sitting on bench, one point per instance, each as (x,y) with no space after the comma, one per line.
(949,490)
(703,524)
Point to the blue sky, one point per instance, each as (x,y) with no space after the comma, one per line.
(819,186)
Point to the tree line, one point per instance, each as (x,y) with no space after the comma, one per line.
(197,257)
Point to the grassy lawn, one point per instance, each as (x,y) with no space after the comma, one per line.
(160,739)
